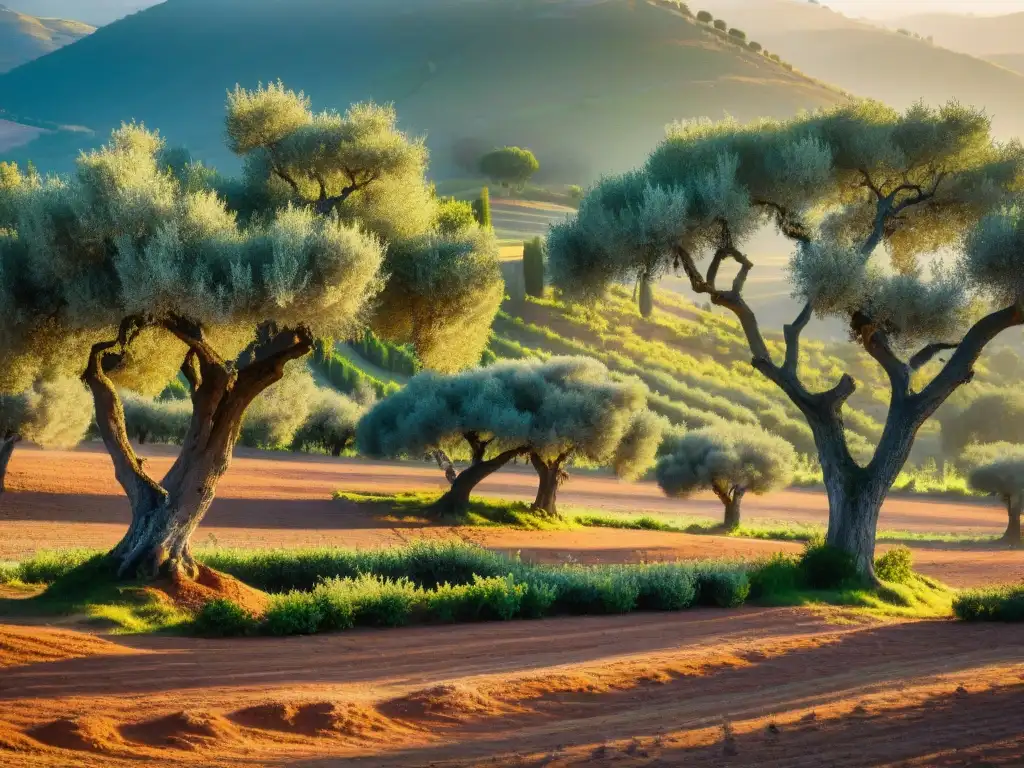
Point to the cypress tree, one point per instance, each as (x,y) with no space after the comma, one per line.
(533,267)
(482,208)
(646,298)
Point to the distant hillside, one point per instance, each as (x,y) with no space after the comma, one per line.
(982,36)
(96,12)
(587,84)
(881,63)
(24,38)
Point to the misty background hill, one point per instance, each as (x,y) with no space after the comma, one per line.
(873,61)
(94,12)
(24,37)
(998,39)
(588,85)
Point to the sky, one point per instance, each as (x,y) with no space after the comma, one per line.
(880,9)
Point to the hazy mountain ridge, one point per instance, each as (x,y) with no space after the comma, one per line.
(588,86)
(94,12)
(878,62)
(24,38)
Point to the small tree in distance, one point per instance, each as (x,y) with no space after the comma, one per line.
(549,410)
(509,166)
(482,209)
(992,417)
(999,469)
(721,25)
(53,414)
(731,462)
(705,17)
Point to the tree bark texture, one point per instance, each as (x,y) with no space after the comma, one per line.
(1014,504)
(551,476)
(166,513)
(7,445)
(731,499)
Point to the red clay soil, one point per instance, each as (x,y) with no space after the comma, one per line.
(750,687)
(191,595)
(70,499)
(31,645)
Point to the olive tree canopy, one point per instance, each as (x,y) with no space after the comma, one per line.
(132,273)
(730,461)
(549,410)
(998,468)
(866,195)
(509,166)
(54,413)
(992,417)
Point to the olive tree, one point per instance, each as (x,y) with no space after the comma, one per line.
(126,272)
(53,413)
(998,468)
(330,424)
(509,166)
(549,411)
(149,420)
(863,193)
(731,462)
(992,417)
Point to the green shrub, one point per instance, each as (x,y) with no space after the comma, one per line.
(721,587)
(720,25)
(896,565)
(380,602)
(776,575)
(224,618)
(666,588)
(294,613)
(995,604)
(826,567)
(8,573)
(538,600)
(486,599)
(705,17)
(336,608)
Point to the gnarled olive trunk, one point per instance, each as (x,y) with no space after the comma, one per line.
(456,500)
(856,493)
(1014,505)
(165,514)
(731,499)
(551,476)
(7,444)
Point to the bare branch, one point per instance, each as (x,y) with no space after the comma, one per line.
(922,358)
(959,369)
(876,343)
(791,333)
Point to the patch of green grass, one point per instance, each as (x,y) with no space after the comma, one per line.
(479,512)
(84,583)
(821,576)
(994,604)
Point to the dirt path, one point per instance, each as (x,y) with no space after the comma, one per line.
(72,500)
(629,690)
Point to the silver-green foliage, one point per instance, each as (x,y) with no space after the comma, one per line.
(155,421)
(997,468)
(54,413)
(280,411)
(121,237)
(330,424)
(994,416)
(567,405)
(724,460)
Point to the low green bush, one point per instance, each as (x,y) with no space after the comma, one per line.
(666,588)
(224,618)
(294,613)
(826,567)
(776,575)
(721,586)
(896,565)
(48,567)
(996,604)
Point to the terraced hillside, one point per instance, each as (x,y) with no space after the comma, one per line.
(24,37)
(587,84)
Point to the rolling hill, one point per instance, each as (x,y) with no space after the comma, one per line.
(999,39)
(95,12)
(876,62)
(587,84)
(24,38)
